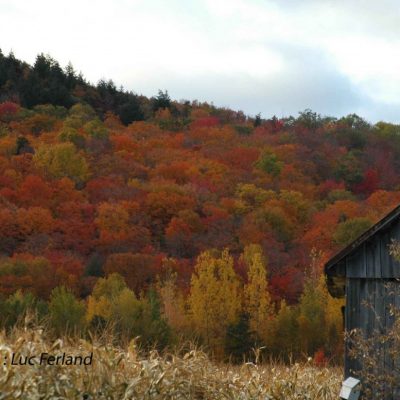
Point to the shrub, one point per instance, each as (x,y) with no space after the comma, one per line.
(66,312)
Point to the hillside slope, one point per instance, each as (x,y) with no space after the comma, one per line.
(84,194)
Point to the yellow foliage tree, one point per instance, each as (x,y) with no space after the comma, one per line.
(104,295)
(172,302)
(126,310)
(62,160)
(257,299)
(112,218)
(215,298)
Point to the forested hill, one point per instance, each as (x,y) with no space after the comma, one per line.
(46,82)
(95,180)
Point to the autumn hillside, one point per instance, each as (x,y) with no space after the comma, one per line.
(95,180)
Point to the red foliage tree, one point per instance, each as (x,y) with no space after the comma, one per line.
(139,270)
(369,184)
(7,110)
(34,191)
(205,122)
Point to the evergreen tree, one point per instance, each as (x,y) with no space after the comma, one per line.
(161,101)
(238,341)
(257,120)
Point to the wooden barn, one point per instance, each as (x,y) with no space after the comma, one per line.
(368,277)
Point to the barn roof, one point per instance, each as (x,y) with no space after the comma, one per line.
(385,221)
(336,275)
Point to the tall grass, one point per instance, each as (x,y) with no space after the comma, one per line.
(126,373)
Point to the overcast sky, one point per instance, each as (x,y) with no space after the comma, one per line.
(275,57)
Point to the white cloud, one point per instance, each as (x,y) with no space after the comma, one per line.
(251,54)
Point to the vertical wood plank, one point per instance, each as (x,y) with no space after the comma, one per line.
(350,322)
(395,234)
(388,360)
(379,324)
(373,258)
(386,260)
(347,326)
(363,310)
(396,389)
(356,320)
(356,264)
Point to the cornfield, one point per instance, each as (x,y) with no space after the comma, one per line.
(125,373)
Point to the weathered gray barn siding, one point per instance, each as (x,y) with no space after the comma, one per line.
(371,291)
(369,277)
(368,305)
(371,259)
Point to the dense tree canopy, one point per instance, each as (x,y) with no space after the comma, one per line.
(96,181)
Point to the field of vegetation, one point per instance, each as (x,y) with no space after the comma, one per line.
(125,373)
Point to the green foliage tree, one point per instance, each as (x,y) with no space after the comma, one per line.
(257,120)
(349,168)
(94,265)
(69,134)
(270,164)
(311,317)
(239,342)
(319,315)
(51,110)
(278,221)
(252,195)
(67,313)
(79,115)
(161,101)
(96,129)
(152,328)
(130,111)
(349,230)
(15,307)
(114,303)
(45,84)
(286,331)
(309,119)
(22,145)
(340,194)
(109,287)
(126,311)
